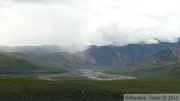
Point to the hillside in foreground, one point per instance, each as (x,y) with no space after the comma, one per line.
(28,89)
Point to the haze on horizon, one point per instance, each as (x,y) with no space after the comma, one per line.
(99,22)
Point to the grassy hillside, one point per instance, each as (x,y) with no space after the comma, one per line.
(21,89)
(67,61)
(71,66)
(17,63)
(149,69)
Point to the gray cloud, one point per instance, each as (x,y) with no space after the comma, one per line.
(115,33)
(100,22)
(32,0)
(40,1)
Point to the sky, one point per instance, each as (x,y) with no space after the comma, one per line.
(98,22)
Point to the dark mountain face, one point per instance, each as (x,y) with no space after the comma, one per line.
(164,56)
(170,54)
(176,50)
(105,55)
(139,52)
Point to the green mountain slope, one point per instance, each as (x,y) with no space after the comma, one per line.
(57,60)
(149,69)
(68,61)
(14,63)
(142,70)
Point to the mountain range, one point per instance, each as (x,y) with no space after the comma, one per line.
(55,58)
(111,56)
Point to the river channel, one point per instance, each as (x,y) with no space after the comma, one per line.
(85,75)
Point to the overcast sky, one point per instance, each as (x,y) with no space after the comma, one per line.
(99,22)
